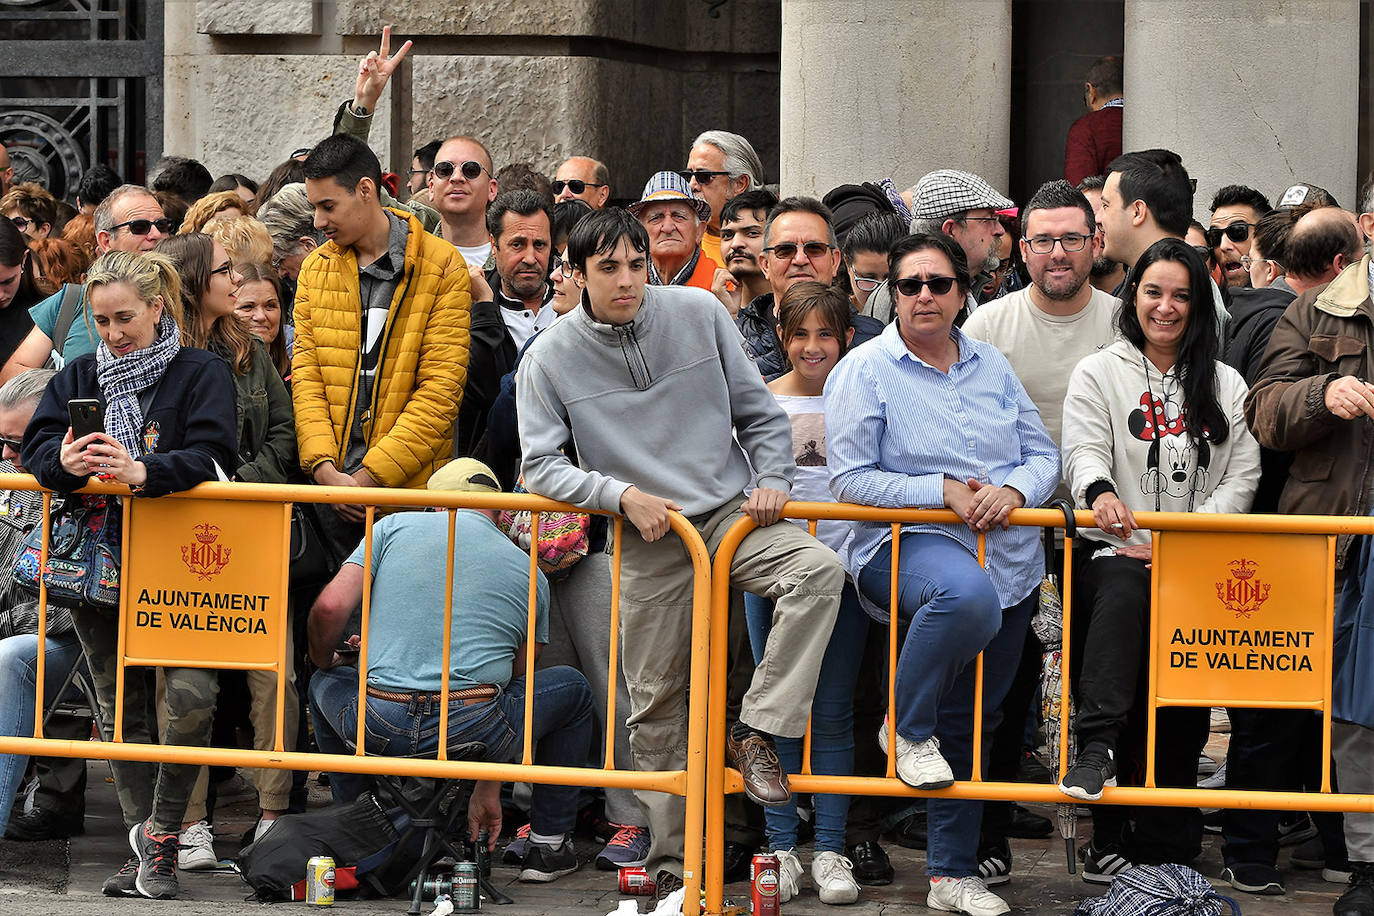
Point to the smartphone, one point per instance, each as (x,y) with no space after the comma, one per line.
(86,416)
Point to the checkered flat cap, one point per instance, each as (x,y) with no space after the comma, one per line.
(670,186)
(949,191)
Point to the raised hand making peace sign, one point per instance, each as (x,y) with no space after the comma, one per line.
(373,72)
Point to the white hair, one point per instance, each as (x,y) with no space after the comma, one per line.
(740,158)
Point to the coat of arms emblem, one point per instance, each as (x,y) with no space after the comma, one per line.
(203,556)
(1243,594)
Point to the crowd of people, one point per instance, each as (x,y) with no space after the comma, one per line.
(714,350)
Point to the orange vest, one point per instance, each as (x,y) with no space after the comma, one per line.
(703,273)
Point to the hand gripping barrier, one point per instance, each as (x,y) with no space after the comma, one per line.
(201,529)
(1211,578)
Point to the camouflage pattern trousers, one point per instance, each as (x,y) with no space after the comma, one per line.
(156,790)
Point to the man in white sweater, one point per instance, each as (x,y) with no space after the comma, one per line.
(650,382)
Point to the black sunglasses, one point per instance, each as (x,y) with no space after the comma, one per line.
(144,226)
(912,286)
(576,185)
(470,169)
(1236,232)
(703,176)
(11,444)
(787,251)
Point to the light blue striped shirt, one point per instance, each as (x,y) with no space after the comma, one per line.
(897,427)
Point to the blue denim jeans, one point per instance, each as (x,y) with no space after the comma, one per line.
(832,721)
(953,613)
(18,678)
(562,731)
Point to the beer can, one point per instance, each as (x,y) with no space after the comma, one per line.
(319,881)
(763,885)
(635,880)
(466,897)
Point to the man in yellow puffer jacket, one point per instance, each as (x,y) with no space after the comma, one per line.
(381,348)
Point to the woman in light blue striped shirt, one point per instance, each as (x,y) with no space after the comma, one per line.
(927,417)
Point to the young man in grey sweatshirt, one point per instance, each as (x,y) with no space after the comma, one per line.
(651,382)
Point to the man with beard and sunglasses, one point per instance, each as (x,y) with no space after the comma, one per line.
(1235,211)
(129,219)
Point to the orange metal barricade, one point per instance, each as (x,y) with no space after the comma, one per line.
(721,780)
(688,782)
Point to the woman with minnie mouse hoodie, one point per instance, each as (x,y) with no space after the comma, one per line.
(1153,422)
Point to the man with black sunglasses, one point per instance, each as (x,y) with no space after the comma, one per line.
(585,179)
(1235,211)
(129,219)
(719,166)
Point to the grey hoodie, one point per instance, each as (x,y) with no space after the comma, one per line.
(650,403)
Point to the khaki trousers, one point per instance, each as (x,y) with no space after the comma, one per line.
(781,562)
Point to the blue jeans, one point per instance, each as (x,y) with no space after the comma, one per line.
(18,679)
(562,732)
(832,721)
(953,612)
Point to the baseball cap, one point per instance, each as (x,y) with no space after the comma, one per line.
(466,475)
(669,186)
(948,191)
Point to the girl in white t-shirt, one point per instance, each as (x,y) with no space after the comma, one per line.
(815,330)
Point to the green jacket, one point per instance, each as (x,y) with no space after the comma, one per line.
(346,122)
(266,423)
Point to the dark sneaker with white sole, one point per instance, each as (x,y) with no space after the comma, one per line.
(1093,770)
(1253,878)
(123,883)
(157,861)
(1100,866)
(548,863)
(994,864)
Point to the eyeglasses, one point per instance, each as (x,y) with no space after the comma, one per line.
(702,176)
(1044,244)
(560,264)
(470,169)
(1204,251)
(1246,261)
(1236,232)
(576,185)
(11,444)
(912,286)
(982,219)
(787,251)
(144,226)
(867,284)
(413,172)
(21,222)
(224,268)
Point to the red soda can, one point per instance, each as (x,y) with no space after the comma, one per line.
(636,880)
(763,885)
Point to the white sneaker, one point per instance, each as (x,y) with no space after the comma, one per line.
(789,871)
(196,848)
(965,895)
(833,876)
(919,764)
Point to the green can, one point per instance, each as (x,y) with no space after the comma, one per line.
(467,898)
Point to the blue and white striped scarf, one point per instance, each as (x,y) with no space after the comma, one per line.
(122,378)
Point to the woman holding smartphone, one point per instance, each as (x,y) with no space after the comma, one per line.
(169,424)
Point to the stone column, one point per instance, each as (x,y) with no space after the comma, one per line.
(1256,92)
(893,88)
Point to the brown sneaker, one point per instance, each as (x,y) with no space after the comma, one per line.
(752,753)
(665,882)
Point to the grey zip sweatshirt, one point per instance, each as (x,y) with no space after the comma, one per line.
(652,404)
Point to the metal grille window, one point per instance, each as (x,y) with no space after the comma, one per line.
(83,85)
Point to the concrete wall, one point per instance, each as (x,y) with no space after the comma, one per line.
(1261,92)
(630,82)
(893,88)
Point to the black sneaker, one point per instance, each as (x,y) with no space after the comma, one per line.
(665,882)
(1295,827)
(42,824)
(1094,769)
(157,861)
(123,883)
(1253,878)
(1100,866)
(548,863)
(1358,900)
(994,864)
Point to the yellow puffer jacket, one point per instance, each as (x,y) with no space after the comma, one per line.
(422,368)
